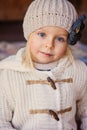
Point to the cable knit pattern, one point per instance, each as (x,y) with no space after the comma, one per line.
(17,98)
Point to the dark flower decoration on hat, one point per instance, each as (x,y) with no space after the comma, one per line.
(76,30)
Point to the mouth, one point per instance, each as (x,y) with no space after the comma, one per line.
(46,53)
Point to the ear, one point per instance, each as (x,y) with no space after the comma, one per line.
(76,30)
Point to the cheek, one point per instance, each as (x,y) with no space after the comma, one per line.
(34,47)
(61,50)
(32,44)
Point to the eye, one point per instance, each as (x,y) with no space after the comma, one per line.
(41,34)
(60,39)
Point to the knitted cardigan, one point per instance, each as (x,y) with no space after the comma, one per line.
(31,99)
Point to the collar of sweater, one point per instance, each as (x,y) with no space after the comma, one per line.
(45,67)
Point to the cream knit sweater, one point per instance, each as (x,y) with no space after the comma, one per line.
(30,101)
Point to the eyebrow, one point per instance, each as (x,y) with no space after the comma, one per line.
(40,30)
(63,34)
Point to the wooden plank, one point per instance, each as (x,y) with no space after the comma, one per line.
(13,9)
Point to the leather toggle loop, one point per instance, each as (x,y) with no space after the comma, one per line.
(51,112)
(52,83)
(54,115)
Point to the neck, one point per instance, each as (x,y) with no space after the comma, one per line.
(45,67)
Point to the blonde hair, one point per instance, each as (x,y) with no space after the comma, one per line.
(69,54)
(26,57)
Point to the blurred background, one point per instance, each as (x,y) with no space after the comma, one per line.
(11,34)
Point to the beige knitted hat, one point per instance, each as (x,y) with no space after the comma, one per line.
(48,13)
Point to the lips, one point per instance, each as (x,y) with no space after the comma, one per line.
(46,53)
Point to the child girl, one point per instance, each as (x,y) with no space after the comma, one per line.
(43,87)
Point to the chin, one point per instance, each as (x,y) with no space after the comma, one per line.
(44,62)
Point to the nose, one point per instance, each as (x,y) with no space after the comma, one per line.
(49,43)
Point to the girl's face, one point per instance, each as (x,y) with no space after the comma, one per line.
(48,44)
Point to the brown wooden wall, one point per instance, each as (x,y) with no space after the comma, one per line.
(13,9)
